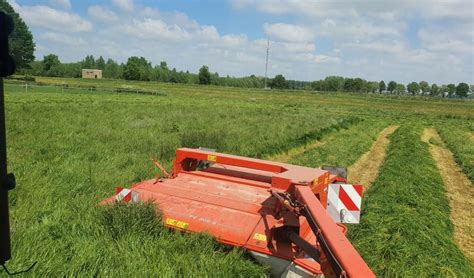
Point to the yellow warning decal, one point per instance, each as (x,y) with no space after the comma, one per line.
(260,237)
(176,223)
(211,157)
(326,179)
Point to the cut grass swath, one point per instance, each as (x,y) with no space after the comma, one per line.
(366,169)
(405,228)
(459,191)
(458,137)
(344,147)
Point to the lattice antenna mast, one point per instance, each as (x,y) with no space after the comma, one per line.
(266,63)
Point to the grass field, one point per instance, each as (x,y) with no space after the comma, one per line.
(70,147)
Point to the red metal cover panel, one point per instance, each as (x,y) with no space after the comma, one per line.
(228,211)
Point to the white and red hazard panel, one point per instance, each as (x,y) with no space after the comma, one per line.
(126,195)
(344,202)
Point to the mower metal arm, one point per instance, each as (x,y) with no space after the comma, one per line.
(342,256)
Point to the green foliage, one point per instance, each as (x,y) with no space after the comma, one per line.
(413,88)
(112,69)
(278,82)
(405,228)
(137,69)
(462,89)
(435,90)
(392,85)
(424,87)
(88,62)
(204,76)
(22,47)
(355,85)
(51,65)
(451,90)
(100,63)
(334,83)
(400,89)
(382,86)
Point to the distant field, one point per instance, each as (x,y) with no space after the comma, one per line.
(72,141)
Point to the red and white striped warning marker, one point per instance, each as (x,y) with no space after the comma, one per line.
(344,201)
(126,195)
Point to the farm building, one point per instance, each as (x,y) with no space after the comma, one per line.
(92,73)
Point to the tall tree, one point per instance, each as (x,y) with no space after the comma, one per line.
(100,63)
(451,90)
(462,90)
(50,61)
(112,69)
(434,90)
(424,87)
(88,62)
(333,83)
(400,89)
(279,82)
(137,69)
(204,76)
(51,65)
(382,86)
(413,88)
(392,85)
(22,47)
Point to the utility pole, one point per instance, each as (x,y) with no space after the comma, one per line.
(266,63)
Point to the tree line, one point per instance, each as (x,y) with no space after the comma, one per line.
(138,68)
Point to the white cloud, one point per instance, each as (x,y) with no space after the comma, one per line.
(155,29)
(299,47)
(451,9)
(124,5)
(448,41)
(102,14)
(62,3)
(58,38)
(389,47)
(289,32)
(326,59)
(52,19)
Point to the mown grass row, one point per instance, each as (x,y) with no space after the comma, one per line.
(459,138)
(406,229)
(344,147)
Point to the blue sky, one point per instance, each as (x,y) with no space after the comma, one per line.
(403,40)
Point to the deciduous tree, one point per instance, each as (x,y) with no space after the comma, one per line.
(382,86)
(392,85)
(462,90)
(279,82)
(434,90)
(204,75)
(424,87)
(22,47)
(451,90)
(413,88)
